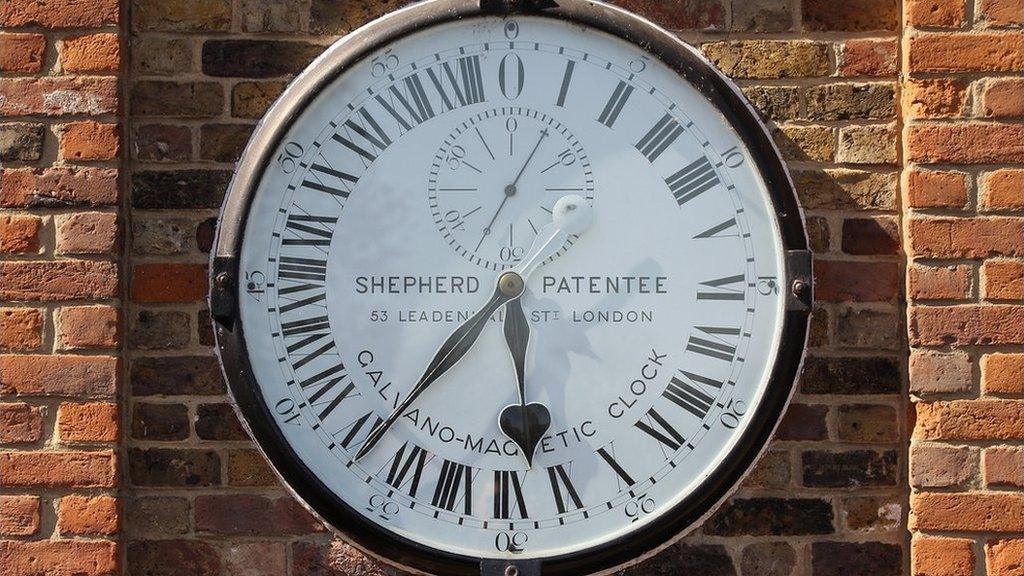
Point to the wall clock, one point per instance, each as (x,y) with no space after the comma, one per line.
(511,288)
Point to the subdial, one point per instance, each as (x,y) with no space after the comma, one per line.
(496,178)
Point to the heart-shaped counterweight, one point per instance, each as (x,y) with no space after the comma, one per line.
(525,425)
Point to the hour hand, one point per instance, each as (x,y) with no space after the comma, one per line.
(525,424)
(451,351)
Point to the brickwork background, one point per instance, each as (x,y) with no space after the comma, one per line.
(912,187)
(964,236)
(59,287)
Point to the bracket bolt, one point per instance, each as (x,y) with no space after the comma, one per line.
(799,288)
(511,570)
(223,280)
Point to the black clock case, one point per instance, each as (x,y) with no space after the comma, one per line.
(255,413)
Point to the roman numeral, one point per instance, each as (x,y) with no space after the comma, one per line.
(324,382)
(713,232)
(621,473)
(713,345)
(659,429)
(563,91)
(615,103)
(727,288)
(560,480)
(693,180)
(689,397)
(308,301)
(356,427)
(367,139)
(465,82)
(508,495)
(660,137)
(455,479)
(294,268)
(414,104)
(406,468)
(309,230)
(319,175)
(309,330)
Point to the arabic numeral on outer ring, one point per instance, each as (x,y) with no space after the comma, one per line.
(732,157)
(511,76)
(511,29)
(287,158)
(511,541)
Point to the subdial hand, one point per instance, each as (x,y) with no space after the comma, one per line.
(511,189)
(571,215)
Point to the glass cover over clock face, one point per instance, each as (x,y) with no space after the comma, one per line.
(391,205)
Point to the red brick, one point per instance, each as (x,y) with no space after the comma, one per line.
(1002,373)
(1004,98)
(58,95)
(934,97)
(253,515)
(970,420)
(59,13)
(974,143)
(1002,12)
(19,234)
(851,15)
(678,14)
(169,282)
(88,233)
(1003,279)
(966,237)
(953,52)
(868,58)
(1003,190)
(871,236)
(58,280)
(21,328)
(91,53)
(89,141)
(58,469)
(58,557)
(23,53)
(83,515)
(935,13)
(88,327)
(967,512)
(941,557)
(56,375)
(1005,557)
(939,372)
(57,187)
(1004,466)
(19,515)
(89,422)
(939,282)
(941,466)
(933,189)
(966,325)
(838,281)
(20,422)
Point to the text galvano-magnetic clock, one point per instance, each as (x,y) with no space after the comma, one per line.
(511,287)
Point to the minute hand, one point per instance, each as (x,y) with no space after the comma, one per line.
(451,351)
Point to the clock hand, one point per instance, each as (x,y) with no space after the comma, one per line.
(525,424)
(511,189)
(571,215)
(451,351)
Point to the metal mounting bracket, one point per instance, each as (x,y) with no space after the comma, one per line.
(509,568)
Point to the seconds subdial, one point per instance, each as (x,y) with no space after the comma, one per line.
(495,179)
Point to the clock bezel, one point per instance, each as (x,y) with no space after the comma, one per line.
(256,415)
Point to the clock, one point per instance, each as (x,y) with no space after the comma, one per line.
(511,287)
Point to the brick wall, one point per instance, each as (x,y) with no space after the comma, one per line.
(59,287)
(913,194)
(964,236)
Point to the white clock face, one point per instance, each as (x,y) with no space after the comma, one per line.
(393,202)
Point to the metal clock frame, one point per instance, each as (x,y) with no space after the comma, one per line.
(256,415)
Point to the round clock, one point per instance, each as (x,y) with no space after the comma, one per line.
(511,288)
